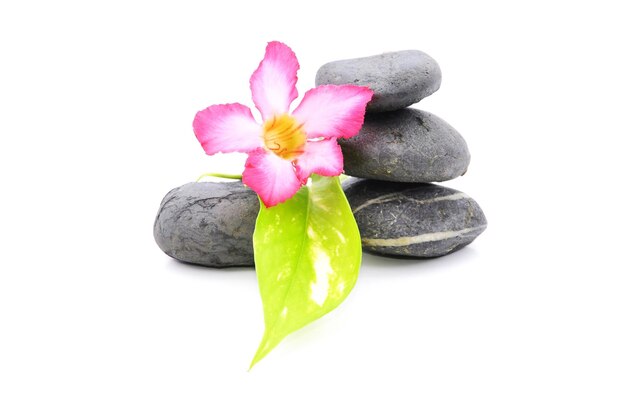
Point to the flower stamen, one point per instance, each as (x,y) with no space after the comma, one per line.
(283,135)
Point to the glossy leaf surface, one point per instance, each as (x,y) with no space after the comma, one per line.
(307,253)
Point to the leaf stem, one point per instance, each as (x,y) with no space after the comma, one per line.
(219,175)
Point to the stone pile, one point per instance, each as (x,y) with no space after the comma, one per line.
(396,154)
(399,150)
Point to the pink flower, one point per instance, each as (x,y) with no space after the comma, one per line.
(287,147)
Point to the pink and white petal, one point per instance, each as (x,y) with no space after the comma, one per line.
(271,177)
(323,157)
(333,110)
(227,128)
(273,84)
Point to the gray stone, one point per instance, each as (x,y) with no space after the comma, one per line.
(407,145)
(208,223)
(398,79)
(211,224)
(413,220)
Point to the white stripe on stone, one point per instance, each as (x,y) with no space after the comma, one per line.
(391,197)
(417,239)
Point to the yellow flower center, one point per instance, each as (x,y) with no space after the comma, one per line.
(284,136)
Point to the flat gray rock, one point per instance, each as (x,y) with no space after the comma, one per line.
(406,145)
(211,224)
(413,220)
(398,79)
(208,223)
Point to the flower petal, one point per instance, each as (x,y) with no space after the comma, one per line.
(323,157)
(273,84)
(333,110)
(227,128)
(271,177)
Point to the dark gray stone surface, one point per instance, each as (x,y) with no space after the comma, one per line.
(208,223)
(211,224)
(413,220)
(407,145)
(398,79)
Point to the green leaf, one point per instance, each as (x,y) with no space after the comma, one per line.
(307,253)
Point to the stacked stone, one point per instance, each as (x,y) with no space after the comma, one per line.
(398,151)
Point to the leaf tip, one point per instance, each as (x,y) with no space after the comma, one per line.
(268,343)
(261,352)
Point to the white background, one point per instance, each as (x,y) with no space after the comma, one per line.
(96,104)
